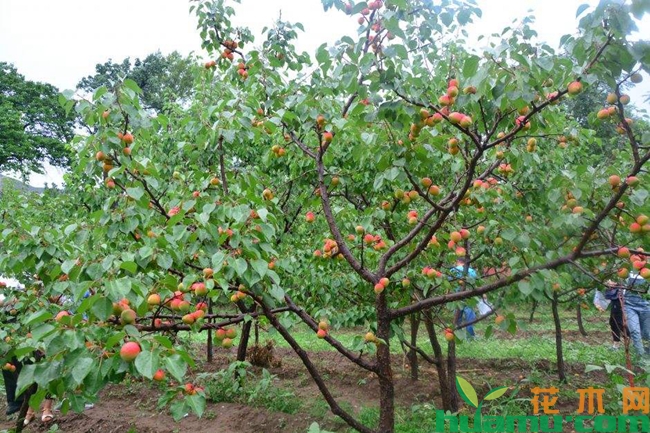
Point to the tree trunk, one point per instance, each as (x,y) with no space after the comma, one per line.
(245,332)
(384,371)
(626,339)
(25,406)
(412,355)
(243,342)
(313,372)
(532,311)
(210,348)
(454,404)
(558,339)
(581,327)
(443,380)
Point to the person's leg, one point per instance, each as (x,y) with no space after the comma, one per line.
(48,415)
(644,321)
(469,316)
(634,325)
(29,417)
(614,326)
(459,317)
(11,381)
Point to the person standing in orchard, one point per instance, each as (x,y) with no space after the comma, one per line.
(612,301)
(463,274)
(637,313)
(11,368)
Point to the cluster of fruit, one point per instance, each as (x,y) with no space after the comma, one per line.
(9,367)
(638,261)
(107,160)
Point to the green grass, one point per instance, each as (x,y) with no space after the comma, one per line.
(536,348)
(239,384)
(416,419)
(538,345)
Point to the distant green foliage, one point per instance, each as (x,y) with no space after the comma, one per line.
(162,78)
(33,126)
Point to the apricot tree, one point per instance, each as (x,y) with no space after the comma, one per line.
(290,189)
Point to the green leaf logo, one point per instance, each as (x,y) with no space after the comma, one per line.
(467,391)
(495,393)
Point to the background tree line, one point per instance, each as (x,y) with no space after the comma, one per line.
(34,128)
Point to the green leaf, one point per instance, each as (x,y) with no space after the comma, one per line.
(509,234)
(164,261)
(37,317)
(495,393)
(590,368)
(22,351)
(113,340)
(25,378)
(639,196)
(67,266)
(260,266)
(82,367)
(146,364)
(525,288)
(392,174)
(164,341)
(471,66)
(102,308)
(132,267)
(135,193)
(639,8)
(95,271)
(41,331)
(277,292)
(446,18)
(466,391)
(177,408)
(217,261)
(176,367)
(581,9)
(545,63)
(240,266)
(129,83)
(197,403)
(464,16)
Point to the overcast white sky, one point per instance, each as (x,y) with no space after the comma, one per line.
(61,41)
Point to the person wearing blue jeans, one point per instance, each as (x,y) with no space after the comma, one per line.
(463,273)
(637,312)
(467,315)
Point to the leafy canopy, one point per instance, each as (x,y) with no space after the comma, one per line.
(163,78)
(33,125)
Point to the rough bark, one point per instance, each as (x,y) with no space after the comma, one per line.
(558,339)
(532,311)
(313,372)
(581,326)
(441,369)
(245,332)
(412,354)
(210,347)
(384,371)
(243,342)
(454,404)
(25,407)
